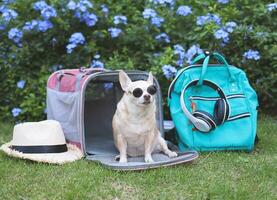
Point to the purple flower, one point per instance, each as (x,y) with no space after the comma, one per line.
(229,26)
(81,11)
(108,86)
(48,12)
(192,51)
(97,64)
(149,13)
(222,34)
(77,38)
(202,20)
(114,32)
(184,10)
(163,37)
(21,84)
(2,8)
(179,50)
(8,14)
(104,9)
(71,5)
(86,3)
(157,21)
(169,71)
(223,1)
(90,19)
(164,2)
(120,19)
(44,26)
(215,18)
(30,25)
(97,56)
(8,1)
(70,48)
(83,5)
(40,5)
(2,27)
(252,55)
(271,6)
(38,25)
(16,35)
(74,40)
(16,111)
(79,15)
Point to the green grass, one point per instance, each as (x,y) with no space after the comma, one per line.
(221,175)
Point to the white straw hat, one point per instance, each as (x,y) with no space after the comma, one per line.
(42,142)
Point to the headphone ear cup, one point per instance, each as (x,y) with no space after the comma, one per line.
(206,117)
(221,111)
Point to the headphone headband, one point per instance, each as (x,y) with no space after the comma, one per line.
(210,84)
(197,122)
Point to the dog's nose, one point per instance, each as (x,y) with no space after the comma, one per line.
(146,97)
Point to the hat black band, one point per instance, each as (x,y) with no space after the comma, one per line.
(41,149)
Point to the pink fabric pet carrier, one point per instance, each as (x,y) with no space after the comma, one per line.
(84,101)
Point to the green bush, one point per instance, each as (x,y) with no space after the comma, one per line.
(30,52)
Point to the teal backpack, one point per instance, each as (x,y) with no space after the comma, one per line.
(213,106)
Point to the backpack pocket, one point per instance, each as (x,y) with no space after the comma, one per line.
(235,133)
(237,105)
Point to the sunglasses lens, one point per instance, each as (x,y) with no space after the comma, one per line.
(137,92)
(152,90)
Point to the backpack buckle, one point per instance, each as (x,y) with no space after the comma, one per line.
(207,53)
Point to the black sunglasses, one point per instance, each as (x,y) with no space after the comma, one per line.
(138,91)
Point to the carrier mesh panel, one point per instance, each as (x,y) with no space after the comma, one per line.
(100,106)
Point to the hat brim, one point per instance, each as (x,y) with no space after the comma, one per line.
(73,154)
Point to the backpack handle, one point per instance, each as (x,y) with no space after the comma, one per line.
(206,56)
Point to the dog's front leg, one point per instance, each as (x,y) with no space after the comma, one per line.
(122,148)
(165,149)
(148,147)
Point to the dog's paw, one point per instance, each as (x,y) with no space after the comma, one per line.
(123,160)
(116,158)
(148,159)
(172,154)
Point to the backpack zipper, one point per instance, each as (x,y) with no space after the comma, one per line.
(230,96)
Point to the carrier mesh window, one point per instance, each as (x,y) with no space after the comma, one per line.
(100,104)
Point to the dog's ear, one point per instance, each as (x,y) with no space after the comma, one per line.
(124,80)
(150,78)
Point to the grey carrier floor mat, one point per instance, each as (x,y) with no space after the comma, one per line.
(137,163)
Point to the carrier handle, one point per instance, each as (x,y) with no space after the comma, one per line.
(206,56)
(89,71)
(83,72)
